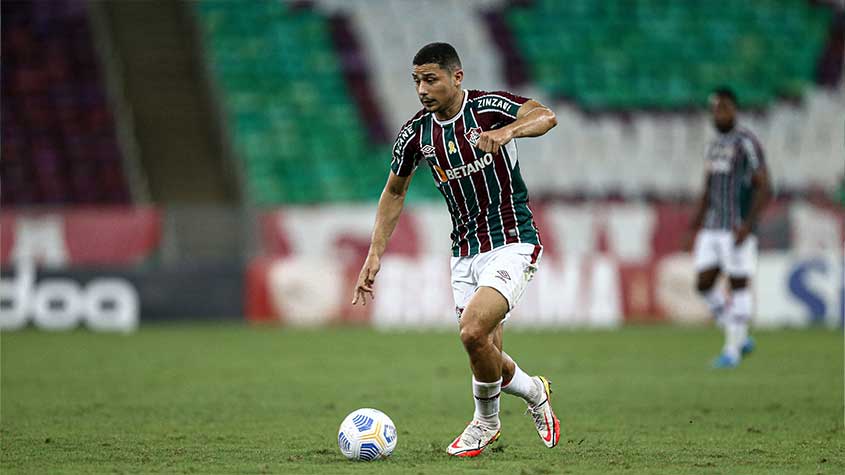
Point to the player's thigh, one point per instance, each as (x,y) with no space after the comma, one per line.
(742,259)
(484,312)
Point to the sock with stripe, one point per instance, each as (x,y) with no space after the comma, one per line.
(486,397)
(523,386)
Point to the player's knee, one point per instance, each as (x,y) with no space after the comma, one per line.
(704,285)
(738,283)
(706,280)
(473,337)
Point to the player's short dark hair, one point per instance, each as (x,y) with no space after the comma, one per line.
(726,91)
(441,54)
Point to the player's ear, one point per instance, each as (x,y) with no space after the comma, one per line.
(458,77)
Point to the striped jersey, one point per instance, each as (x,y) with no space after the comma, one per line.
(485,193)
(732,159)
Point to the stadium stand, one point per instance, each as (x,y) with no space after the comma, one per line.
(59,143)
(651,144)
(392,41)
(628,94)
(658,54)
(295,122)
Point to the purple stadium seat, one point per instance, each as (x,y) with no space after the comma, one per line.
(58,135)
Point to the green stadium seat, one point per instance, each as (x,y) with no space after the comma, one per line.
(619,54)
(294,124)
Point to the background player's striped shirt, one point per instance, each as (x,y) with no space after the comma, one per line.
(732,159)
(485,193)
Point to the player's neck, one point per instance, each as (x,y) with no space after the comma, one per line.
(452,109)
(727,128)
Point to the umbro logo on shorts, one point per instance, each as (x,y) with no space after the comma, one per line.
(503,275)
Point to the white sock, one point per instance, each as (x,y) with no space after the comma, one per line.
(523,386)
(487,401)
(715,299)
(736,325)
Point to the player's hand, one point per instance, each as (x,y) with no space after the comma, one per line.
(492,140)
(741,232)
(366,279)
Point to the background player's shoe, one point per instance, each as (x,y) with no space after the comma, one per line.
(473,440)
(548,425)
(748,346)
(725,361)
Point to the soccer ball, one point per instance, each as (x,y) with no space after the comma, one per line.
(366,434)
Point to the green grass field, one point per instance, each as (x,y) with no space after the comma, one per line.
(235,399)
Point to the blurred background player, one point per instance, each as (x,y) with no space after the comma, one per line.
(736,191)
(466,137)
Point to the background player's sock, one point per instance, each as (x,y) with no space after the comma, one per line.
(715,299)
(487,401)
(736,327)
(523,386)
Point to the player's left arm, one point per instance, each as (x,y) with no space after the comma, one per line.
(532,120)
(760,198)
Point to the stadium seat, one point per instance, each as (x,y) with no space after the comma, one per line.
(623,54)
(296,128)
(59,142)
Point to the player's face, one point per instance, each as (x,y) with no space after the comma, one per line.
(437,88)
(723,110)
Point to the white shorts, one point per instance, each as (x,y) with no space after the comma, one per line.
(508,269)
(714,248)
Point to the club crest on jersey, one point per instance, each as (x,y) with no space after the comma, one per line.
(428,151)
(473,135)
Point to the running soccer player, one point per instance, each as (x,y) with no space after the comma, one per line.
(467,139)
(735,193)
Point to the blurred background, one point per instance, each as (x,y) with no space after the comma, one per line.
(221,160)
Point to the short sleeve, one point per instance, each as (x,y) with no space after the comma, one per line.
(753,152)
(501,103)
(406,154)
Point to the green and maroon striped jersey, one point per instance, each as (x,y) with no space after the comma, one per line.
(485,193)
(732,159)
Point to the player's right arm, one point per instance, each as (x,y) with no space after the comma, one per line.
(698,216)
(390,206)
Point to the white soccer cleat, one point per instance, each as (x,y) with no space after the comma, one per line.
(473,440)
(548,425)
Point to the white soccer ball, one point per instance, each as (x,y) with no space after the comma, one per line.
(366,434)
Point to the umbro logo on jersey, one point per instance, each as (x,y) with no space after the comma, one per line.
(502,274)
(473,135)
(428,151)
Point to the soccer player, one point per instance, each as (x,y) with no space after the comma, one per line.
(735,192)
(467,139)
